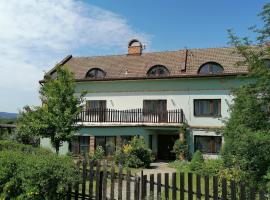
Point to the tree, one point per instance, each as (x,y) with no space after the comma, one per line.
(57,117)
(247,132)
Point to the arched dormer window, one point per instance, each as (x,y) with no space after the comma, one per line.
(158,70)
(95,73)
(211,68)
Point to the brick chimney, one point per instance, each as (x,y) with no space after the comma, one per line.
(135,47)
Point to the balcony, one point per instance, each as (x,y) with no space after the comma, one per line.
(132,116)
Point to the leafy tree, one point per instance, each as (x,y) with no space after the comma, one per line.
(247,132)
(56,118)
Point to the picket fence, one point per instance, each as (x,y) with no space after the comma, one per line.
(101,182)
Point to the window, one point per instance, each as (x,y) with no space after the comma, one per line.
(95,73)
(108,143)
(80,145)
(84,144)
(126,139)
(208,144)
(211,68)
(155,110)
(95,104)
(207,107)
(154,106)
(158,70)
(96,110)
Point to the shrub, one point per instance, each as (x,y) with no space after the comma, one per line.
(211,167)
(35,175)
(180,148)
(98,154)
(134,154)
(15,146)
(196,161)
(180,165)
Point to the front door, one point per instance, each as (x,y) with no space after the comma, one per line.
(165,146)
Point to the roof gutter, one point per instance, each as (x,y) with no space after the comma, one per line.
(159,78)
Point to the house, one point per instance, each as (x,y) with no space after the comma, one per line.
(152,95)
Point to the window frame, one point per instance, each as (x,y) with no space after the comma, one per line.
(212,143)
(96,70)
(105,138)
(210,68)
(156,67)
(211,107)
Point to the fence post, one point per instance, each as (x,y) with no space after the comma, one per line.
(190,192)
(97,181)
(182,186)
(104,184)
(112,182)
(69,191)
(233,190)
(206,187)
(91,178)
(100,185)
(142,184)
(84,178)
(215,188)
(128,185)
(120,182)
(77,184)
(198,187)
(242,192)
(152,186)
(158,185)
(166,186)
(174,185)
(144,187)
(224,189)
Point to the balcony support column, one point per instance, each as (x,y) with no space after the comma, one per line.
(182,140)
(92,144)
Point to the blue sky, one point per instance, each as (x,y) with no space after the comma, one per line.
(35,35)
(176,24)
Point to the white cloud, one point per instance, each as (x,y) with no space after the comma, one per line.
(35,34)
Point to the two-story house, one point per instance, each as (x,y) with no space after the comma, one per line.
(152,94)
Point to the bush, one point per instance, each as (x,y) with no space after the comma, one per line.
(197,161)
(180,148)
(34,175)
(180,165)
(98,154)
(134,154)
(211,167)
(14,146)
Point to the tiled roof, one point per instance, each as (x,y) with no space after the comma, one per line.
(180,63)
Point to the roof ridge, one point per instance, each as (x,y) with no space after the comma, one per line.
(155,52)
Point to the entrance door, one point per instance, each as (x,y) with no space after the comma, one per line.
(165,146)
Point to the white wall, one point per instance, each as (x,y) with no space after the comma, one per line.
(175,100)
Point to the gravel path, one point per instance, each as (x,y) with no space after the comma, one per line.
(155,168)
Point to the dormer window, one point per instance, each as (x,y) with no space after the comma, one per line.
(158,70)
(211,68)
(95,73)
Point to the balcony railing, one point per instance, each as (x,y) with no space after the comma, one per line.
(131,116)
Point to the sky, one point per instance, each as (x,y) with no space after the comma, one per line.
(36,34)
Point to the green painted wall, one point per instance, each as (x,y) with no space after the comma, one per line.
(162,85)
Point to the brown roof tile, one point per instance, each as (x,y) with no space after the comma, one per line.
(130,66)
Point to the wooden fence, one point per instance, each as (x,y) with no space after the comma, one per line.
(131,116)
(103,182)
